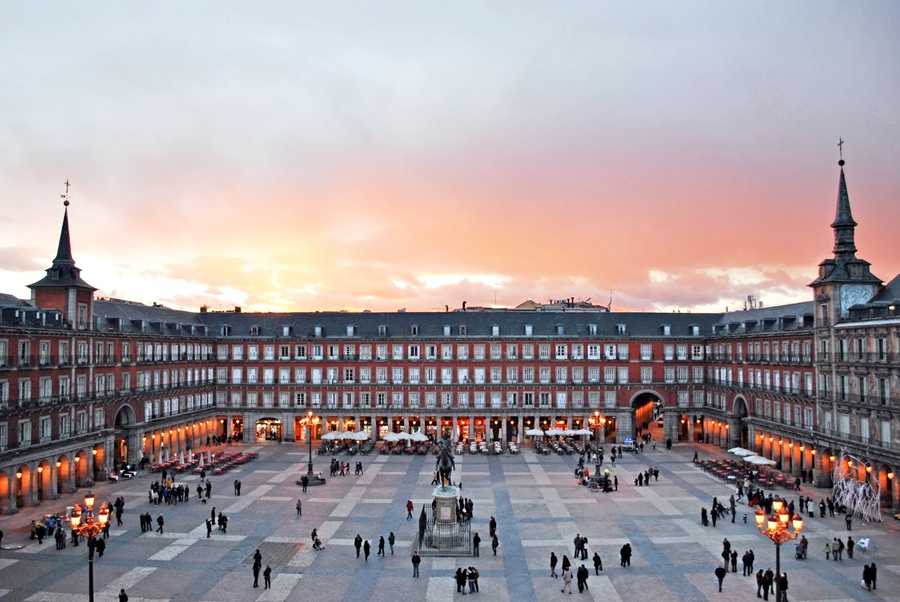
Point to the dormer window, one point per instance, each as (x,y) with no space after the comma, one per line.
(255,330)
(414,330)
(529,330)
(286,331)
(592,329)
(351,330)
(560,330)
(382,330)
(495,330)
(620,329)
(666,330)
(319,331)
(463,330)
(446,330)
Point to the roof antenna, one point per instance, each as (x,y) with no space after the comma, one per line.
(65,197)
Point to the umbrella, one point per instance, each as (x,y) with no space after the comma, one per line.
(392,437)
(535,432)
(348,435)
(740,451)
(201,460)
(554,432)
(331,436)
(361,436)
(759,460)
(419,437)
(404,436)
(583,432)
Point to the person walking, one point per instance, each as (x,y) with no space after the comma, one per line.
(567,581)
(867,578)
(848,519)
(299,508)
(760,582)
(304,482)
(495,543)
(391,540)
(367,547)
(208,528)
(409,509)
(357,543)
(476,542)
(381,546)
(873,570)
(416,560)
(598,563)
(160,521)
(720,575)
(493,526)
(850,544)
(553,561)
(267,575)
(123,597)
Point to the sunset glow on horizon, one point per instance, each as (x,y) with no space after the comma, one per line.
(322,157)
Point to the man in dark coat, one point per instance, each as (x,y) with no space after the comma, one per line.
(720,575)
(582,577)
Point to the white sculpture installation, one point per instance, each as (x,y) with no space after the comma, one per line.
(862,499)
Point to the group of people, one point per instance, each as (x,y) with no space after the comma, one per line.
(463,576)
(257,567)
(361,546)
(342,469)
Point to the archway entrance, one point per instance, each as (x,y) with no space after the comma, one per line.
(741,413)
(643,408)
(124,418)
(23,485)
(269,429)
(43,481)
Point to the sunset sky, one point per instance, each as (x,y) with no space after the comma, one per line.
(303,156)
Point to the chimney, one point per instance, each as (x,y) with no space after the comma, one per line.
(237,309)
(464,306)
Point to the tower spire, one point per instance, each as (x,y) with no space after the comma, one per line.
(844,226)
(63,272)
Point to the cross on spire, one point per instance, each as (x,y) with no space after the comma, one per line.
(65,197)
(841,147)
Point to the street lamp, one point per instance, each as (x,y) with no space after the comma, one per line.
(775,527)
(87,527)
(597,422)
(309,422)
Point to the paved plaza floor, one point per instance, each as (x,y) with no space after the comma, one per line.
(536,500)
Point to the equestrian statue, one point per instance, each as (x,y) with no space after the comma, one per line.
(445,463)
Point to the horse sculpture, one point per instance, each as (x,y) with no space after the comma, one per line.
(445,463)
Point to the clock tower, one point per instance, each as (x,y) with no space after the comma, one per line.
(845,280)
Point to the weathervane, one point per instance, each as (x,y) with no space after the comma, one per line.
(65,197)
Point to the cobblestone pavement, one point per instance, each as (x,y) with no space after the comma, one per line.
(539,509)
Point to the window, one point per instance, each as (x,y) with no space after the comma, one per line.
(397,352)
(646,353)
(561,353)
(593,352)
(24,433)
(528,352)
(512,352)
(544,352)
(462,352)
(646,375)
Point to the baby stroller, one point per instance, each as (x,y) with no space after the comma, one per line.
(798,552)
(317,545)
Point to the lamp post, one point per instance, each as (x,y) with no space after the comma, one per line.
(85,525)
(597,422)
(309,422)
(775,527)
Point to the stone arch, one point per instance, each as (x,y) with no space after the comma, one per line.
(82,470)
(740,411)
(44,481)
(24,484)
(642,405)
(5,493)
(63,474)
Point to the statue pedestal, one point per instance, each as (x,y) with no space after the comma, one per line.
(445,504)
